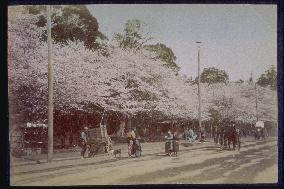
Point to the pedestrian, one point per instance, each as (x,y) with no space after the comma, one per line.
(221,138)
(238,138)
(191,136)
(186,134)
(175,143)
(169,142)
(137,146)
(62,139)
(131,136)
(84,141)
(71,140)
(226,136)
(232,136)
(202,136)
(128,135)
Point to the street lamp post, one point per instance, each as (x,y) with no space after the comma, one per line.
(50,88)
(199,91)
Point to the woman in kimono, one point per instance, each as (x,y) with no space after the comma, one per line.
(132,137)
(175,143)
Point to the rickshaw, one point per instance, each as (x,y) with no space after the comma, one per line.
(97,143)
(259,130)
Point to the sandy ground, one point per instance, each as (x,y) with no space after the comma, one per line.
(204,163)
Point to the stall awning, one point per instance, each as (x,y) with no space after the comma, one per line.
(36,125)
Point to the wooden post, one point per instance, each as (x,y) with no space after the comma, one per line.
(199,91)
(256,103)
(50,88)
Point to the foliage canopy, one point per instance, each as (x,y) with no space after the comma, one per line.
(72,22)
(212,76)
(269,78)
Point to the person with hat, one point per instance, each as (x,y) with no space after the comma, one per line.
(84,141)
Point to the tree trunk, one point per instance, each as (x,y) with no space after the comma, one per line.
(211,131)
(129,122)
(121,131)
(102,126)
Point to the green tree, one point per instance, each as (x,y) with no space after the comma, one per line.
(165,54)
(133,36)
(269,78)
(73,22)
(213,75)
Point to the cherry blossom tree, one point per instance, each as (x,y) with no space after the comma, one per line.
(237,101)
(127,82)
(23,53)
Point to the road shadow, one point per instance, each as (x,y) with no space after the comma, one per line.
(225,165)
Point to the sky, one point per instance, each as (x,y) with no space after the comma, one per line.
(239,39)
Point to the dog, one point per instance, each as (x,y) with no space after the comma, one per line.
(115,153)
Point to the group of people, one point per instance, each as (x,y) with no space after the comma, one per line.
(228,134)
(189,135)
(172,143)
(134,147)
(133,142)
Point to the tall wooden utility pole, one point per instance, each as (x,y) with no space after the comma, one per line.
(256,103)
(199,91)
(50,88)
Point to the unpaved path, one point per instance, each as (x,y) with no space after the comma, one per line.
(200,163)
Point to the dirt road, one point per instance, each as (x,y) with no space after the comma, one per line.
(200,163)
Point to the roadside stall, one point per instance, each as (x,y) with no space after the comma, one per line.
(34,138)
